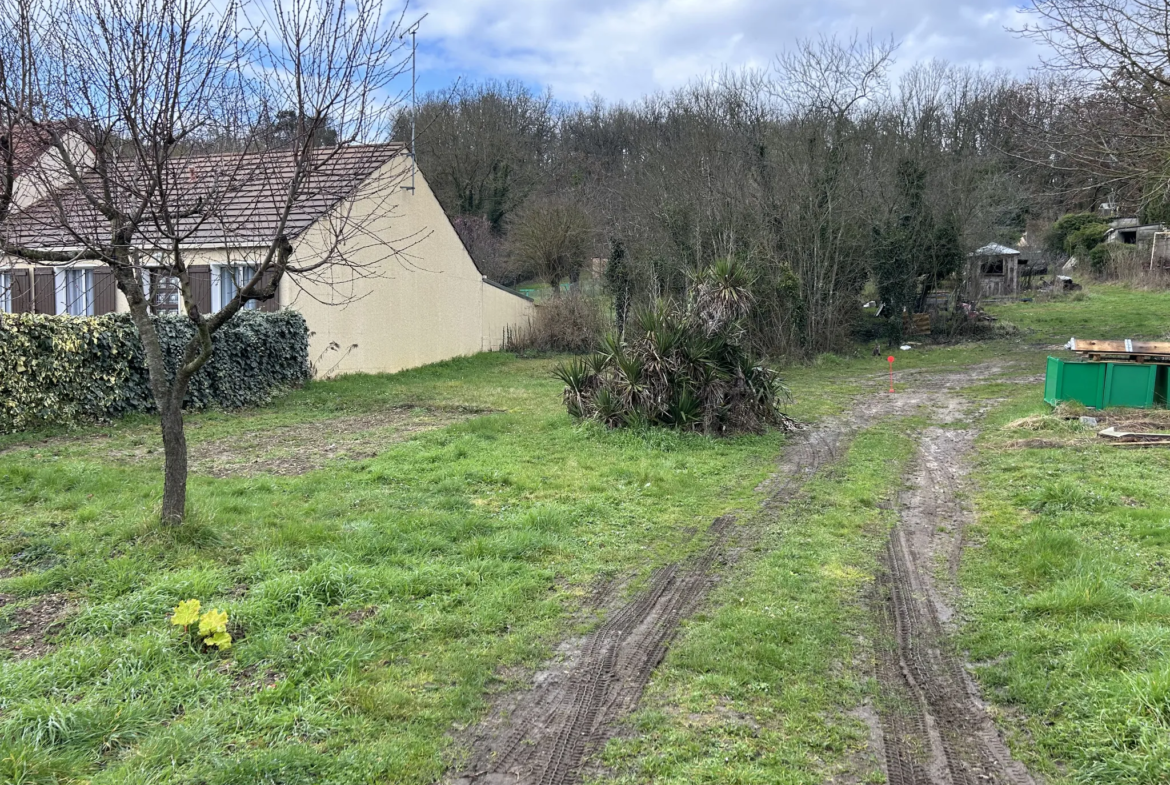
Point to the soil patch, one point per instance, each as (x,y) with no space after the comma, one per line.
(25,629)
(934,728)
(285,450)
(296,449)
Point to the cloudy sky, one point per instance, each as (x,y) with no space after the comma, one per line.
(621,49)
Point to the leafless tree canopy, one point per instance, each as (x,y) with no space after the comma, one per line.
(131,96)
(790,168)
(1106,89)
(553,238)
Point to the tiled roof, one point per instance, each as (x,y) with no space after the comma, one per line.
(28,144)
(242,199)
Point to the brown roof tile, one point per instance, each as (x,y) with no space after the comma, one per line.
(242,198)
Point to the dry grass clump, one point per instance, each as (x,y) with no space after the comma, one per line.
(1131,265)
(1035,444)
(570,323)
(1065,425)
(1045,422)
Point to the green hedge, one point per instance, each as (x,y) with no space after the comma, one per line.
(67,369)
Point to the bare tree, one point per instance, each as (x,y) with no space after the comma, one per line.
(483,146)
(1109,77)
(552,237)
(143,83)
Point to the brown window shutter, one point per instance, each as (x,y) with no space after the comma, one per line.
(274,303)
(45,291)
(104,298)
(200,277)
(22,300)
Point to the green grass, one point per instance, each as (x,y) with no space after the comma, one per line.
(374,602)
(1067,602)
(378,603)
(760,688)
(1103,311)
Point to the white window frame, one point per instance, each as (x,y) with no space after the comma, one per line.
(5,292)
(61,283)
(242,272)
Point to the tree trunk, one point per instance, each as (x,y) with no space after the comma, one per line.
(174,504)
(168,398)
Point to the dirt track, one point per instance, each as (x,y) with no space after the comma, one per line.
(544,735)
(934,728)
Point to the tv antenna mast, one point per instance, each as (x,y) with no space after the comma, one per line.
(412,31)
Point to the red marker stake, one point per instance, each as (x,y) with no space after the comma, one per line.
(891,360)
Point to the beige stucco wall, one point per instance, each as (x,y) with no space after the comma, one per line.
(502,311)
(49,172)
(419,298)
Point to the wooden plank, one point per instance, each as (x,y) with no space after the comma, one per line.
(1122,347)
(1130,437)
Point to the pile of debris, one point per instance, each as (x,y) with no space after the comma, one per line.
(975,313)
(1131,439)
(1061,283)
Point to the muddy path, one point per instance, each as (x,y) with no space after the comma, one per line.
(543,735)
(934,728)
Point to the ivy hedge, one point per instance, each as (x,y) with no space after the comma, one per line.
(67,369)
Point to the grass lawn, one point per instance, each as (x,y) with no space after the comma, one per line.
(378,600)
(1066,607)
(1103,311)
(1068,596)
(374,602)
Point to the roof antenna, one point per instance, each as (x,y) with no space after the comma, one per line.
(413,31)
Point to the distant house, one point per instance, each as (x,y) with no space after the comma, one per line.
(419,297)
(993,271)
(1131,231)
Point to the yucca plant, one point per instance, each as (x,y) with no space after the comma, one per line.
(686,411)
(580,380)
(681,365)
(721,295)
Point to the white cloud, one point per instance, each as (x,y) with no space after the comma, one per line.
(622,49)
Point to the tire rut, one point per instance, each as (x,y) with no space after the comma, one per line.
(543,735)
(543,738)
(935,729)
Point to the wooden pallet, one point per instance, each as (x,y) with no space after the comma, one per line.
(918,324)
(1133,351)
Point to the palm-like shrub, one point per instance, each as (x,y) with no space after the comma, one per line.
(681,365)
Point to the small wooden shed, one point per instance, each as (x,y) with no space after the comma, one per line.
(994,271)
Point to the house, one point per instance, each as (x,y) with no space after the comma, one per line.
(993,271)
(409,295)
(1131,231)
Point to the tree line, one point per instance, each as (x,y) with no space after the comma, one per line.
(823,173)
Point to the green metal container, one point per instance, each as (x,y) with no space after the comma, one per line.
(1080,382)
(1130,384)
(1162,386)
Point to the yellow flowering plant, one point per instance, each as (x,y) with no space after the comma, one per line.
(212,624)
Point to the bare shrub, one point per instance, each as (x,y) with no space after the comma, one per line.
(485,247)
(573,323)
(1130,264)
